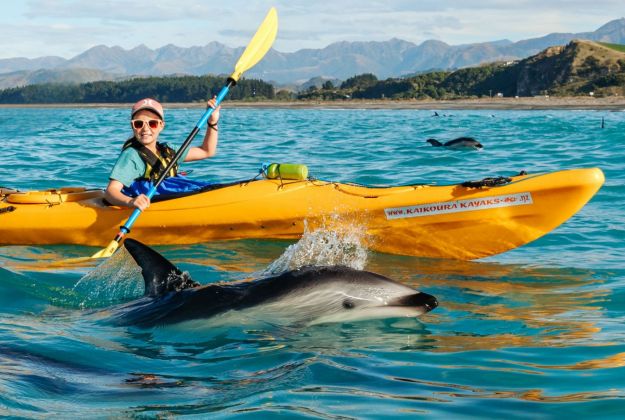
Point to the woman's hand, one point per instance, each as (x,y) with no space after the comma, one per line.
(214,118)
(141,202)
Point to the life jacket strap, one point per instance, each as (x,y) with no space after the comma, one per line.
(154,164)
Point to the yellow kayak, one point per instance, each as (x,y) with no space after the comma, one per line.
(467,221)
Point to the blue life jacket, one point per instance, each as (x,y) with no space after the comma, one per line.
(171,185)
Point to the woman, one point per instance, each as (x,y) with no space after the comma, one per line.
(143,158)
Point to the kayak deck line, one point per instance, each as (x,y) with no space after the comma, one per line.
(424,220)
(53,196)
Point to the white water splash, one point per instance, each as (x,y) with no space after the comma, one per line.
(342,244)
(112,281)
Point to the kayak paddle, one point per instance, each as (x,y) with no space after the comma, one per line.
(255,51)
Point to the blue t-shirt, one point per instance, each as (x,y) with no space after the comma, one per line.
(130,166)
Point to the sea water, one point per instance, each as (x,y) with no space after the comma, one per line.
(536,332)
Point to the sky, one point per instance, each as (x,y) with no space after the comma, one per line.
(66,28)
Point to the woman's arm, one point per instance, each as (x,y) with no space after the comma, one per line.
(114,195)
(211,138)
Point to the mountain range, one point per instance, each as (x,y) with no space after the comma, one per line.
(339,60)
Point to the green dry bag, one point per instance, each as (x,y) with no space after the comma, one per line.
(294,171)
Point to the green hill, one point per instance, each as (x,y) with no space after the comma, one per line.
(577,68)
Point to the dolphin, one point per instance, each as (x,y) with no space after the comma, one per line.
(458,143)
(306,296)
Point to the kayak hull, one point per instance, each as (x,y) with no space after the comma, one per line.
(418,220)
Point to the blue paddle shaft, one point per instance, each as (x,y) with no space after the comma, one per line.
(125,228)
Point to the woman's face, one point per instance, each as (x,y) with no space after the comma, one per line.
(146,126)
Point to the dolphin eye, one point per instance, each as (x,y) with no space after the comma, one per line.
(348,304)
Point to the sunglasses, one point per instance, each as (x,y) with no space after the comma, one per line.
(138,124)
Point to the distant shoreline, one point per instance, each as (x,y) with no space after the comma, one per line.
(615,103)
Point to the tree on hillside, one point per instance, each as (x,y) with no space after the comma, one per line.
(361,81)
(166,89)
(389,89)
(328,85)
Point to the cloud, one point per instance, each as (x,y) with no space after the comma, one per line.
(67,27)
(44,39)
(120,10)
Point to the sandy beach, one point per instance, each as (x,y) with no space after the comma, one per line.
(613,103)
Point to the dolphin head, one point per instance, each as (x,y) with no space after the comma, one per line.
(315,295)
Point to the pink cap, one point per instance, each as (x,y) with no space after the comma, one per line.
(149,104)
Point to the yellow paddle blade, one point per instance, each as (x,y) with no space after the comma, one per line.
(108,251)
(259,45)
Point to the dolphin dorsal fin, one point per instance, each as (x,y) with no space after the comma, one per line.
(160,275)
(434,142)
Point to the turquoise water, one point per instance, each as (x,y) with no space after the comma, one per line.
(536,332)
